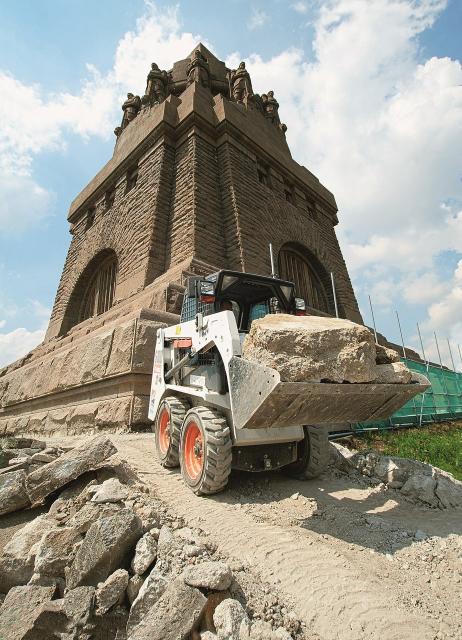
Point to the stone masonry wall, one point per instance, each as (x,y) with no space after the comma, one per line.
(100,378)
(125,228)
(256,214)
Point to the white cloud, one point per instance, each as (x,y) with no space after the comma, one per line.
(15,344)
(23,202)
(300,7)
(382,128)
(40,121)
(19,341)
(258,18)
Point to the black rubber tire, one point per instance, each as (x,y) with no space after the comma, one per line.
(217,451)
(177,409)
(312,454)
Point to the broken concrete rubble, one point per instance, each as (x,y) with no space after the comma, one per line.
(393,373)
(67,467)
(110,491)
(231,620)
(20,610)
(112,590)
(173,617)
(107,543)
(55,550)
(312,348)
(418,481)
(13,494)
(106,569)
(145,553)
(385,355)
(318,349)
(149,593)
(209,575)
(18,557)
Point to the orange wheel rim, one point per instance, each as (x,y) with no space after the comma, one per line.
(164,431)
(193,452)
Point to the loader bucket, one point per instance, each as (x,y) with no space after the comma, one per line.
(259,399)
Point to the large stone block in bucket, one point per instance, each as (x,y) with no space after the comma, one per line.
(312,348)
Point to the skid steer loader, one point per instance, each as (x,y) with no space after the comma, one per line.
(212,410)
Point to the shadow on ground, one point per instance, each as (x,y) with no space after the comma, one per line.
(345,507)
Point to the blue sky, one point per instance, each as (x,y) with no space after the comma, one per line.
(371,92)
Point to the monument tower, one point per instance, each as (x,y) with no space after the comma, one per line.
(201,178)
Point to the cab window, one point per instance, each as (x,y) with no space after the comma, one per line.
(258,310)
(231,305)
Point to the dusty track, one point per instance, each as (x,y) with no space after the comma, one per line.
(341,553)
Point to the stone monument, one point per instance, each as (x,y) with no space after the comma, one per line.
(201,178)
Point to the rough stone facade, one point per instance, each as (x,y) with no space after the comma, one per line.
(201,178)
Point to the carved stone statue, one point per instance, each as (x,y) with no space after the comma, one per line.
(271,107)
(156,86)
(198,70)
(258,102)
(131,108)
(240,83)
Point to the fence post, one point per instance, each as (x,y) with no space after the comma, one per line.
(373,319)
(335,295)
(450,353)
(401,334)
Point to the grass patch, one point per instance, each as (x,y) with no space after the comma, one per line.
(438,444)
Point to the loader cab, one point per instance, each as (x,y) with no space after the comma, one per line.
(248,296)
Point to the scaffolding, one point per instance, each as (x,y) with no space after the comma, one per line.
(441,402)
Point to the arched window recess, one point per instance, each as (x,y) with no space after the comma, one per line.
(311,280)
(99,294)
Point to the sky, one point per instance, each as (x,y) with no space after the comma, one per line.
(371,91)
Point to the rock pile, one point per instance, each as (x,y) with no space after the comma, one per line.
(315,349)
(418,481)
(104,561)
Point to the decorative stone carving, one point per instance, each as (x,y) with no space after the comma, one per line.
(240,83)
(198,70)
(156,86)
(131,108)
(271,107)
(271,110)
(258,102)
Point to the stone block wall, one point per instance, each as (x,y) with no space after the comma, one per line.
(101,379)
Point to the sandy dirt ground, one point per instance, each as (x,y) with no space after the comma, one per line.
(352,560)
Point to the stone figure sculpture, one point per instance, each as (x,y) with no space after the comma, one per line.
(271,107)
(156,86)
(198,70)
(131,108)
(241,85)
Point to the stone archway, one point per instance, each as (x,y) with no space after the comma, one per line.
(94,291)
(299,265)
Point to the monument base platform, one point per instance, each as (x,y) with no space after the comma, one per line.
(98,376)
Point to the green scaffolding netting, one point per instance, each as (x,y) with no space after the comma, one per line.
(442,401)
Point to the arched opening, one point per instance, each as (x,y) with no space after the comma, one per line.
(311,280)
(99,295)
(94,292)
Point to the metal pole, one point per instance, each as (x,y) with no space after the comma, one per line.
(373,319)
(460,354)
(421,344)
(426,365)
(333,291)
(438,349)
(273,270)
(450,353)
(401,334)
